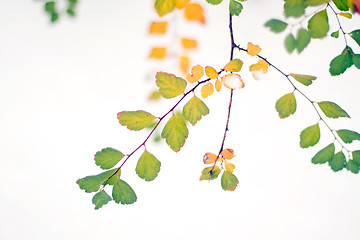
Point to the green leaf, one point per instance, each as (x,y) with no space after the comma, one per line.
(356,36)
(54,17)
(100,199)
(352,166)
(294,8)
(356,156)
(303,39)
(175,132)
(229,181)
(164,7)
(332,110)
(234,65)
(324,155)
(93,183)
(50,7)
(148,166)
(348,136)
(70,12)
(170,86)
(318,24)
(315,2)
(310,136)
(290,43)
(205,174)
(337,163)
(135,120)
(214,2)
(341,62)
(356,60)
(235,7)
(276,25)
(335,34)
(123,193)
(304,79)
(342,5)
(286,105)
(108,157)
(194,109)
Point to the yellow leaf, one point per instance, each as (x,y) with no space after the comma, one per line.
(196,73)
(188,43)
(210,158)
(184,64)
(261,65)
(232,81)
(211,72)
(194,12)
(229,167)
(158,53)
(155,95)
(234,65)
(218,85)
(180,4)
(164,7)
(346,14)
(227,153)
(158,28)
(253,50)
(207,90)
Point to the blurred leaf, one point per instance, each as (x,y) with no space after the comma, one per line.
(229,181)
(158,53)
(315,2)
(70,12)
(310,136)
(194,12)
(100,199)
(294,8)
(50,7)
(290,43)
(346,14)
(148,166)
(337,162)
(276,26)
(123,193)
(196,73)
(158,27)
(194,109)
(253,50)
(286,105)
(335,34)
(341,5)
(324,155)
(348,136)
(108,157)
(304,79)
(233,66)
(155,95)
(318,24)
(188,43)
(163,7)
(352,166)
(341,62)
(303,39)
(205,174)
(180,4)
(218,85)
(214,2)
(170,85)
(332,110)
(184,64)
(356,156)
(93,183)
(175,132)
(356,35)
(261,66)
(207,90)
(135,120)
(235,8)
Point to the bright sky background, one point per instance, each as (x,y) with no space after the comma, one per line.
(62,85)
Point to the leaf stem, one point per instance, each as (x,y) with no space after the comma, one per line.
(338,20)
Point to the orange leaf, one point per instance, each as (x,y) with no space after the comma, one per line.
(158,28)
(194,12)
(158,53)
(188,43)
(232,81)
(211,72)
(346,14)
(184,64)
(261,65)
(181,3)
(253,50)
(207,90)
(227,153)
(210,158)
(218,85)
(196,73)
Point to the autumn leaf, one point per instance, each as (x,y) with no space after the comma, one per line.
(234,65)
(232,81)
(158,27)
(188,43)
(346,14)
(227,153)
(211,72)
(135,120)
(207,90)
(205,174)
(170,86)
(261,66)
(194,109)
(158,53)
(175,132)
(184,64)
(211,158)
(164,7)
(196,73)
(229,181)
(218,85)
(194,12)
(229,167)
(180,4)
(253,50)
(286,105)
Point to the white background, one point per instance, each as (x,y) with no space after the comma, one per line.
(62,85)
